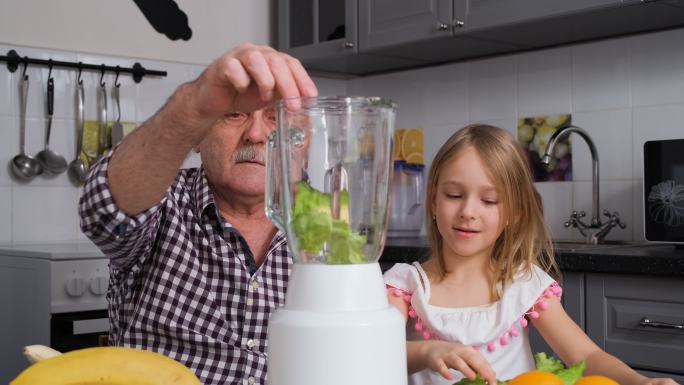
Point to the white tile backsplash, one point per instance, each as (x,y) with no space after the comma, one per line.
(657,62)
(443,92)
(5,90)
(492,88)
(5,214)
(557,197)
(544,82)
(404,90)
(9,147)
(611,131)
(45,214)
(329,87)
(638,210)
(601,75)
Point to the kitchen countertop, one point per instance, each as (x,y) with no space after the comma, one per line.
(643,258)
(52,251)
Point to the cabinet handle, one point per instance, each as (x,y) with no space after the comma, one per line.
(458,23)
(645,322)
(348,44)
(442,27)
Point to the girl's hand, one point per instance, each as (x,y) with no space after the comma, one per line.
(441,356)
(659,381)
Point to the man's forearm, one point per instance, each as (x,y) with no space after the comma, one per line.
(145,164)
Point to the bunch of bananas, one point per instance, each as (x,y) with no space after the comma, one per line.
(104,366)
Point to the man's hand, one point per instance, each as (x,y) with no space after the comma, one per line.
(246,79)
(441,356)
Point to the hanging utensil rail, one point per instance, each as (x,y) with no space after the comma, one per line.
(138,71)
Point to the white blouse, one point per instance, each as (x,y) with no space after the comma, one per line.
(497,330)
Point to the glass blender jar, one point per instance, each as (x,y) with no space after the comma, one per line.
(327,189)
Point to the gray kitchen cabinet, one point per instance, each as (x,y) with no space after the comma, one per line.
(323,36)
(616,309)
(384,23)
(573,301)
(542,23)
(309,30)
(485,14)
(360,37)
(429,30)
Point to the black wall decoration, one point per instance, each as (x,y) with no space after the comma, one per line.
(166,18)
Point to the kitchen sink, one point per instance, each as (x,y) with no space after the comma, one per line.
(561,246)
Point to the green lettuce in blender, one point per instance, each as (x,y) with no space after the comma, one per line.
(314,225)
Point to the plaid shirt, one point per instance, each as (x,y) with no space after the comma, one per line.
(180,279)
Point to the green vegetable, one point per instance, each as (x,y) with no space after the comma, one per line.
(314,225)
(550,364)
(547,364)
(543,363)
(477,381)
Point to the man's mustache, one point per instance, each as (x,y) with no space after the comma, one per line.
(250,153)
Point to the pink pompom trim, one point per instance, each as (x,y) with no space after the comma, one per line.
(503,340)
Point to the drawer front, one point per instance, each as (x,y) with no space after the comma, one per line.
(618,304)
(642,346)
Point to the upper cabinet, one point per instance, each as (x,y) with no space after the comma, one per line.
(313,30)
(324,36)
(370,36)
(384,23)
(484,14)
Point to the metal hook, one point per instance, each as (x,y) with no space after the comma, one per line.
(102,72)
(116,80)
(49,68)
(80,70)
(23,74)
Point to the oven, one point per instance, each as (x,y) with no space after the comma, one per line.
(50,294)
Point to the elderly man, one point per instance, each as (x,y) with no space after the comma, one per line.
(196,267)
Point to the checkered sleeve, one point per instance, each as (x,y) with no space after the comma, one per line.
(121,237)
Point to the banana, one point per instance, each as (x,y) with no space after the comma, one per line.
(110,365)
(35,353)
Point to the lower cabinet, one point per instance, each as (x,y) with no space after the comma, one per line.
(637,318)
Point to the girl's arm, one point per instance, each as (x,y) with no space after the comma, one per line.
(572,346)
(441,356)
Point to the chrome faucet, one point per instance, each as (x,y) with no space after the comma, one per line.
(595,231)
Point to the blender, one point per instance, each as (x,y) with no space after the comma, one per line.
(327,189)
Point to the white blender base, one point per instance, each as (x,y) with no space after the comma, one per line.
(336,328)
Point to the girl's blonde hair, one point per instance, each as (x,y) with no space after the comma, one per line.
(525,239)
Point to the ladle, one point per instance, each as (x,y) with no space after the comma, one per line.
(117,127)
(51,161)
(77,167)
(24,167)
(103,133)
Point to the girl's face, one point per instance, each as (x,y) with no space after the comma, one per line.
(467,207)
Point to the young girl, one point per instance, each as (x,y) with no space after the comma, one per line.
(468,305)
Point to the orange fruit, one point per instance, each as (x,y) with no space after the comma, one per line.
(596,380)
(412,145)
(536,377)
(415,158)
